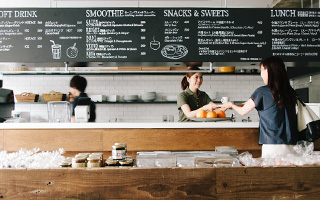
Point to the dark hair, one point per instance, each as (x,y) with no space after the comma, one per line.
(278,82)
(184,82)
(79,83)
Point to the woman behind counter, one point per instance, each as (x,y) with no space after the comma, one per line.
(191,100)
(275,103)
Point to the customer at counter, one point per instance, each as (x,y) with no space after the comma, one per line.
(191,100)
(78,85)
(275,103)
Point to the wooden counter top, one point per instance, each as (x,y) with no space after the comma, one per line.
(165,125)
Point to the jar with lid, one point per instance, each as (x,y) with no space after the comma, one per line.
(65,164)
(118,152)
(125,163)
(112,163)
(94,162)
(99,155)
(122,144)
(79,162)
(83,154)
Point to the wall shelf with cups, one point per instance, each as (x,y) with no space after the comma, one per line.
(114,73)
(131,102)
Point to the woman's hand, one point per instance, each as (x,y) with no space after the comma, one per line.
(227,105)
(242,109)
(210,106)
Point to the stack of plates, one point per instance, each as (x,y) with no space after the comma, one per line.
(148,96)
(131,98)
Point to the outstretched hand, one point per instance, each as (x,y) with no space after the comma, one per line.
(227,105)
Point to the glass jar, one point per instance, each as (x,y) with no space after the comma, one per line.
(125,163)
(112,163)
(101,157)
(118,152)
(79,162)
(94,161)
(65,164)
(123,144)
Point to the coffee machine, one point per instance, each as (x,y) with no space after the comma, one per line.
(6,104)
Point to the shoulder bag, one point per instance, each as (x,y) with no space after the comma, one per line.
(308,122)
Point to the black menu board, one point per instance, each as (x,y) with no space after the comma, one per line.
(158,34)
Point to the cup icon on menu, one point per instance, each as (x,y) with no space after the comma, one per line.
(224,100)
(154,45)
(56,50)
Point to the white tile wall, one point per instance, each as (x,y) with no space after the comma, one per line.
(237,87)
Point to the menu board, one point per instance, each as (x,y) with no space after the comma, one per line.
(158,34)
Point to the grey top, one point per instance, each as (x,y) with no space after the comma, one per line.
(277,126)
(194,101)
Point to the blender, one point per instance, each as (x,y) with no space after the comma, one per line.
(59,111)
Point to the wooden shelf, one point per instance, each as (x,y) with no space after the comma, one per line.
(134,102)
(19,73)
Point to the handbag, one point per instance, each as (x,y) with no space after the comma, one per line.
(308,122)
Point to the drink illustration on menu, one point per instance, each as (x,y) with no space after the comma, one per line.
(72,52)
(174,51)
(154,45)
(56,50)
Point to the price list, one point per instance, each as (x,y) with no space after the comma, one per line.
(158,34)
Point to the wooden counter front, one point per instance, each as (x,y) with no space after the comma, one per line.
(158,139)
(162,183)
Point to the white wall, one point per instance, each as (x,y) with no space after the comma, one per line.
(237,87)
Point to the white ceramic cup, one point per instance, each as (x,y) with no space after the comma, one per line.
(224,100)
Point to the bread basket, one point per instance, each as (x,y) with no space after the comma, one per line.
(27,97)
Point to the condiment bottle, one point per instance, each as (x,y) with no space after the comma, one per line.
(101,157)
(125,163)
(118,152)
(79,162)
(65,164)
(123,144)
(111,163)
(94,161)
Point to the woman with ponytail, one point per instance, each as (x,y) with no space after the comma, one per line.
(275,103)
(191,100)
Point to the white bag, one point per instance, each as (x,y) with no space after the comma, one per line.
(308,122)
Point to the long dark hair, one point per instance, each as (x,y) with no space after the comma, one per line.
(184,82)
(278,82)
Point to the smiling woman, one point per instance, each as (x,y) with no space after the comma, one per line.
(191,100)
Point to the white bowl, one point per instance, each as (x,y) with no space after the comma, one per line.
(148,99)
(171,98)
(130,98)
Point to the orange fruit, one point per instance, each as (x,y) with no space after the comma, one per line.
(221,114)
(201,114)
(211,114)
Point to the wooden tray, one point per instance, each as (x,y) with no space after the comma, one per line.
(196,119)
